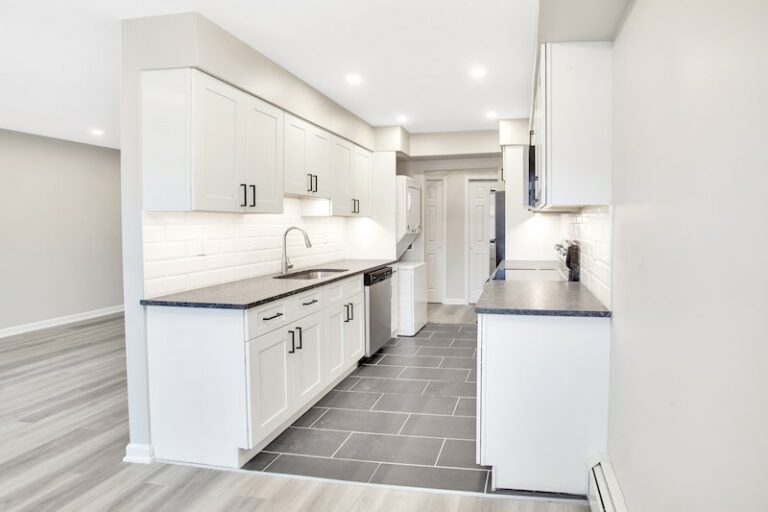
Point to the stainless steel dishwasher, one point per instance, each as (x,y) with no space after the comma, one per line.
(378,309)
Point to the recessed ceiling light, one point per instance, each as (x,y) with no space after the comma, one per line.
(402,119)
(354,79)
(491,114)
(477,72)
(96,132)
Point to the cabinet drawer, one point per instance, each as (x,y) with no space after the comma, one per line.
(307,303)
(264,318)
(353,285)
(333,293)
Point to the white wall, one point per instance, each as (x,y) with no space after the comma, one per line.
(60,230)
(436,145)
(454,170)
(530,236)
(183,251)
(689,386)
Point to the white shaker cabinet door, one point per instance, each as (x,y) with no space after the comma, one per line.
(319,158)
(308,370)
(296,176)
(341,170)
(262,167)
(269,364)
(216,129)
(362,181)
(333,344)
(354,329)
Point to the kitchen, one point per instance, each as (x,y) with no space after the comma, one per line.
(388,309)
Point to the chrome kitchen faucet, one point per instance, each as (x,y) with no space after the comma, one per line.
(286,263)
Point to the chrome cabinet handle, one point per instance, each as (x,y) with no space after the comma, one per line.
(253,196)
(309,187)
(245,195)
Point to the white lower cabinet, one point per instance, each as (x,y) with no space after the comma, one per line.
(269,383)
(335,322)
(542,399)
(354,329)
(224,383)
(307,362)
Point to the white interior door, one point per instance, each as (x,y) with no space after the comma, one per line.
(479,236)
(434,238)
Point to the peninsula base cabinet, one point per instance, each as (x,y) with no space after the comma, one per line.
(224,383)
(542,408)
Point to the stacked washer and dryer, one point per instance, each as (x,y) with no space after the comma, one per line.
(409,288)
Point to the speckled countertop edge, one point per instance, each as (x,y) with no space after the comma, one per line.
(197,298)
(539,298)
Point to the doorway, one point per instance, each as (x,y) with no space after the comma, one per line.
(435,237)
(479,221)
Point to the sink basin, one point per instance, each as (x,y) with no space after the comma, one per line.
(312,273)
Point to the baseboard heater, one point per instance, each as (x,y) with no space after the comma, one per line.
(604,493)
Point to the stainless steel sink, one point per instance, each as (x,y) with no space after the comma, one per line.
(312,273)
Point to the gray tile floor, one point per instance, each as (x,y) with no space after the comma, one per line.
(406,417)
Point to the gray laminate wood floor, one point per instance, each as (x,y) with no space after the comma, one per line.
(63,429)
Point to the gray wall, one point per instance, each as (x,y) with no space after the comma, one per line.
(59,228)
(455,169)
(689,379)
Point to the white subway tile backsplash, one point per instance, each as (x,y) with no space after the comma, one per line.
(188,250)
(591,228)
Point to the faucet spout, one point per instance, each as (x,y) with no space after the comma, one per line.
(285,262)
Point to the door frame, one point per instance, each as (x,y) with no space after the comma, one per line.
(441,177)
(468,179)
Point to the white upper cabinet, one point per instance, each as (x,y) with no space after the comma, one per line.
(208,146)
(308,159)
(572,125)
(320,155)
(263,149)
(341,170)
(216,135)
(296,178)
(361,167)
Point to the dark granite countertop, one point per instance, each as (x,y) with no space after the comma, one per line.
(253,292)
(548,298)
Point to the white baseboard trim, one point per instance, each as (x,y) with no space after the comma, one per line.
(139,453)
(62,320)
(604,492)
(455,302)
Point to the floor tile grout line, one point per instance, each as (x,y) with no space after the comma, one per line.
(440,452)
(376,402)
(399,432)
(370,480)
(342,444)
(318,418)
(272,462)
(408,464)
(327,407)
(456,407)
(384,434)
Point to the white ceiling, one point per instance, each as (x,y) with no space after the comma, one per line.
(59,59)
